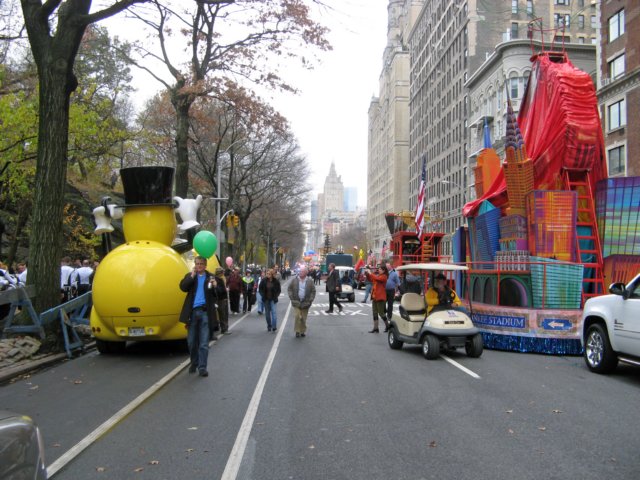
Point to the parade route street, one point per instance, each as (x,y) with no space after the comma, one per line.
(338,404)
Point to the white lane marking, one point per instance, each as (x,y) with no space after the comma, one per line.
(74,451)
(461,367)
(237,452)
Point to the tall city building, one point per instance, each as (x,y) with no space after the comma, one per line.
(350,199)
(450,41)
(333,192)
(388,148)
(619,84)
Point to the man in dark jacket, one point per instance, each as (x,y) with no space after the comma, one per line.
(222,301)
(333,287)
(198,310)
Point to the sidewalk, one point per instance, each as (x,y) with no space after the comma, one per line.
(18,356)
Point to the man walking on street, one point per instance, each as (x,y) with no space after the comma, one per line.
(301,291)
(393,282)
(333,287)
(223,303)
(197,311)
(234,286)
(270,291)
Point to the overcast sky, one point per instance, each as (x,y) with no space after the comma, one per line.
(329,115)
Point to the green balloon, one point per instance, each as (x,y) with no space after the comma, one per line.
(205,243)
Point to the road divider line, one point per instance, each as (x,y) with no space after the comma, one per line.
(74,451)
(461,367)
(234,461)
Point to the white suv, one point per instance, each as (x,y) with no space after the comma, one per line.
(611,327)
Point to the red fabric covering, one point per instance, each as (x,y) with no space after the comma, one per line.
(561,127)
(359,264)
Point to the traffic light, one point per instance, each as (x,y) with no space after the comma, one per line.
(236,220)
(229,221)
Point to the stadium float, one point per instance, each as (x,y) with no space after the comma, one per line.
(548,229)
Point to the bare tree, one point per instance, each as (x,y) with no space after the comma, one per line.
(228,41)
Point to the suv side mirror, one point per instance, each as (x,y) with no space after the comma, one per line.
(618,288)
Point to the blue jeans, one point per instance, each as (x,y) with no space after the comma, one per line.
(260,302)
(270,313)
(367,291)
(198,339)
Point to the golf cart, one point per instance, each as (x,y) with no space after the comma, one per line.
(347,283)
(446,327)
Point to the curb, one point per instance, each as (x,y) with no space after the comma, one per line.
(9,373)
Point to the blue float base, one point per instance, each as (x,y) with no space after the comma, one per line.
(515,343)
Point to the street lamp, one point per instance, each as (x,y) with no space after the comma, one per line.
(462,189)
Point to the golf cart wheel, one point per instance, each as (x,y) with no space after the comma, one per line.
(352,297)
(430,347)
(474,346)
(394,343)
(598,354)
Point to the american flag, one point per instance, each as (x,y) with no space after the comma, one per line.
(384,249)
(421,199)
(371,258)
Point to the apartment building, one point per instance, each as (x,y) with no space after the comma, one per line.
(450,41)
(619,84)
(388,148)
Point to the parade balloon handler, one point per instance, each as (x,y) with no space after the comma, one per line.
(198,310)
(441,295)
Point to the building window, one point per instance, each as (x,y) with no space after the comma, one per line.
(513,84)
(514,30)
(617,114)
(562,2)
(593,21)
(616,67)
(580,39)
(562,20)
(617,162)
(580,3)
(530,7)
(514,6)
(616,25)
(580,21)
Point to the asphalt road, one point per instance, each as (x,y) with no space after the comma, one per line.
(338,404)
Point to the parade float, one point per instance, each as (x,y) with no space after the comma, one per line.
(135,290)
(408,246)
(550,230)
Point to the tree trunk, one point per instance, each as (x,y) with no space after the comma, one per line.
(51,173)
(182,105)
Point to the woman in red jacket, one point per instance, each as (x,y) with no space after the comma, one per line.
(378,296)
